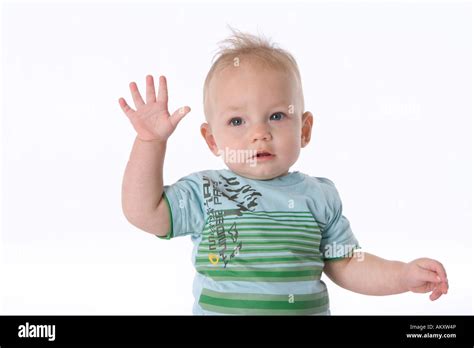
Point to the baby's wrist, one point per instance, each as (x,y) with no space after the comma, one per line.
(157,140)
(402,277)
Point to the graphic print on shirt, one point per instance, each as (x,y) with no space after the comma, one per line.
(244,197)
(251,241)
(249,252)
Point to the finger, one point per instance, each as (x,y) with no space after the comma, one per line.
(444,287)
(163,92)
(137,98)
(150,90)
(435,295)
(125,108)
(426,287)
(439,268)
(435,266)
(428,276)
(179,114)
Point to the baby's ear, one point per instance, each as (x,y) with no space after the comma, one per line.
(209,138)
(306,128)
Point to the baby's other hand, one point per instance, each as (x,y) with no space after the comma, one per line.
(151,120)
(425,275)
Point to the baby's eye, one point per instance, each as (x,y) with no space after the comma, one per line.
(236,121)
(277,116)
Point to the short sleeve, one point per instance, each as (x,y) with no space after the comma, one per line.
(184,200)
(337,240)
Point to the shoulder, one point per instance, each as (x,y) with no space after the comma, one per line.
(325,185)
(323,191)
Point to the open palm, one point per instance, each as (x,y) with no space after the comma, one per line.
(152,120)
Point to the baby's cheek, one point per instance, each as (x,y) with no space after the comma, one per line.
(293,151)
(293,143)
(229,141)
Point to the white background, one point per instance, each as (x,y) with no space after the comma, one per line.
(389,85)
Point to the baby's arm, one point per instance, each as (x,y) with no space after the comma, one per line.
(371,275)
(142,187)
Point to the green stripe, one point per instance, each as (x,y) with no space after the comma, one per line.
(229,272)
(269,235)
(295,243)
(271,228)
(296,214)
(296,219)
(263,304)
(300,255)
(266,279)
(170,233)
(316,237)
(246,235)
(237,270)
(262,297)
(267,218)
(266,259)
(263,241)
(268,238)
(290,251)
(276,212)
(205,231)
(222,272)
(267,229)
(290,215)
(241,223)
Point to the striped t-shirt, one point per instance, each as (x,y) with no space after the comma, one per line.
(259,245)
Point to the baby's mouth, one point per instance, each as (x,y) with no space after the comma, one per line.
(263,154)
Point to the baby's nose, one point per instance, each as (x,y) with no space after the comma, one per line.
(261,132)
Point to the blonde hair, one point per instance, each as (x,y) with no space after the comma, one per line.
(241,46)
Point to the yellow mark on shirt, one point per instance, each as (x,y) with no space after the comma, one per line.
(214,258)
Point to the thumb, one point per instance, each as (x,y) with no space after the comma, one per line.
(179,114)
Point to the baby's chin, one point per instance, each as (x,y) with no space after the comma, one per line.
(257,172)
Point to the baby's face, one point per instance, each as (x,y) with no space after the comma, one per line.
(253,109)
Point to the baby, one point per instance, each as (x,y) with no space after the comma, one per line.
(262,235)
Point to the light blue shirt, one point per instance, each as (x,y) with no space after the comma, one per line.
(259,245)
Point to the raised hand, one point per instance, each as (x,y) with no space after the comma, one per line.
(152,120)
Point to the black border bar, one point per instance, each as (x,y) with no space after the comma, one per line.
(226,331)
